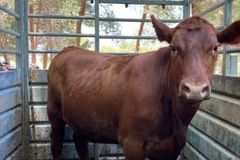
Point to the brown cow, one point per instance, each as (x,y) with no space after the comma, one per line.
(144,102)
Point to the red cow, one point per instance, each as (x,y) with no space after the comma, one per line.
(144,102)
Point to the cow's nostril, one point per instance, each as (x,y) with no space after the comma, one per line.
(205,89)
(186,89)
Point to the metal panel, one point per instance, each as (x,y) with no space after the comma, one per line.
(223,107)
(10,78)
(9,98)
(15,155)
(192,154)
(226,85)
(10,142)
(208,147)
(38,113)
(41,133)
(11,101)
(10,120)
(223,133)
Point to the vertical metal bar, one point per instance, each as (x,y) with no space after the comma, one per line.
(186,9)
(96,149)
(96,25)
(227,21)
(21,8)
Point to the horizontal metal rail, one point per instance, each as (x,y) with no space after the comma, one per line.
(10,51)
(233,50)
(53,34)
(10,12)
(100,19)
(212,8)
(44,51)
(58,51)
(58,16)
(139,20)
(150,2)
(126,37)
(56,34)
(13,33)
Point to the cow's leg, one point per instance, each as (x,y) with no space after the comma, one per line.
(58,125)
(133,149)
(57,136)
(81,146)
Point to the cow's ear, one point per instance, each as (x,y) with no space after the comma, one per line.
(164,33)
(231,34)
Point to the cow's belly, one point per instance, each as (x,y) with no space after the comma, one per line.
(93,122)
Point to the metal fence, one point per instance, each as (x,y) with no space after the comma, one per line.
(13,86)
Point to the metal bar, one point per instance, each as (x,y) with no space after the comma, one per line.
(227,21)
(186,9)
(13,33)
(10,51)
(56,16)
(49,34)
(54,34)
(233,50)
(138,20)
(10,12)
(127,37)
(44,51)
(97,48)
(100,19)
(228,12)
(97,25)
(150,2)
(212,8)
(57,51)
(21,8)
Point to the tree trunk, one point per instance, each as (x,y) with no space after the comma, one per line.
(140,31)
(51,45)
(6,59)
(79,22)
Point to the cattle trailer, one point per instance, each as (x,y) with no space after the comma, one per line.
(214,133)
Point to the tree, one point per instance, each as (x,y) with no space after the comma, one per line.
(144,15)
(79,22)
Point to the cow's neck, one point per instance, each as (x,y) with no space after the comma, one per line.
(185,112)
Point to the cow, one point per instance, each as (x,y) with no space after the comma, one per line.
(143,102)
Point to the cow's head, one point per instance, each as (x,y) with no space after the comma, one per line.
(194,50)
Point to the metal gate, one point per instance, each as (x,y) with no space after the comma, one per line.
(214,133)
(39,126)
(13,84)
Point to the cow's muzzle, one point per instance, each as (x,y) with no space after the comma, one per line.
(194,92)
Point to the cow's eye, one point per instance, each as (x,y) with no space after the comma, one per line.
(215,49)
(173,49)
